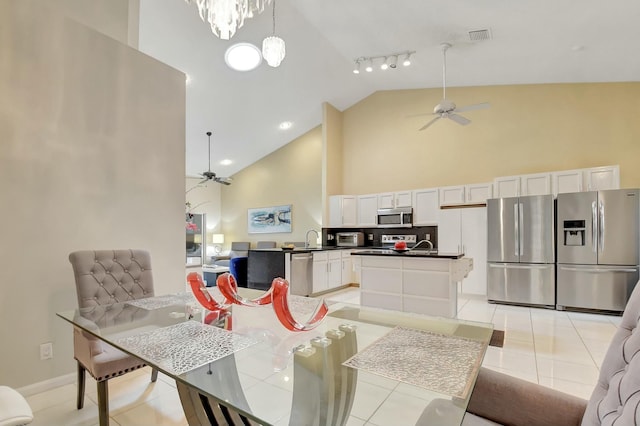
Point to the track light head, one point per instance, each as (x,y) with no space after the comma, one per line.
(369,67)
(393,62)
(385,64)
(407,60)
(356,70)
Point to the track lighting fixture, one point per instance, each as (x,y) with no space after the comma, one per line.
(369,67)
(356,70)
(385,61)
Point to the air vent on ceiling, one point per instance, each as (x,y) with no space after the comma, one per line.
(480,35)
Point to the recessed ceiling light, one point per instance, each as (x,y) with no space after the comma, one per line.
(226,162)
(285,125)
(243,57)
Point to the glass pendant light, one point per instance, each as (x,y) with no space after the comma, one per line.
(273,48)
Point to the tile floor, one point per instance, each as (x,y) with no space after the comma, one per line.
(557,349)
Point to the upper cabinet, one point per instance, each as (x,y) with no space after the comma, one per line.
(368,210)
(515,186)
(477,193)
(592,179)
(425,207)
(392,200)
(597,178)
(343,211)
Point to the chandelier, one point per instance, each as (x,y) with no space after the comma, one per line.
(273,49)
(226,16)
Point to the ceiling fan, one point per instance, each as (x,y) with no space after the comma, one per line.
(446,108)
(209,175)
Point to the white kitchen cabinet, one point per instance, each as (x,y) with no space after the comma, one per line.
(392,200)
(343,211)
(567,181)
(535,184)
(368,210)
(506,186)
(600,178)
(347,267)
(320,271)
(334,269)
(478,193)
(460,195)
(327,270)
(473,229)
(465,230)
(515,186)
(452,195)
(425,207)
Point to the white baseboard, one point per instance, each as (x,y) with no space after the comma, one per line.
(47,384)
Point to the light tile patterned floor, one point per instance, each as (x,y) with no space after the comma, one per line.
(557,349)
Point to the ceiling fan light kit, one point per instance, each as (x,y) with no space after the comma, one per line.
(446,108)
(386,61)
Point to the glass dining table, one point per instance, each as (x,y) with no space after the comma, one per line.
(242,366)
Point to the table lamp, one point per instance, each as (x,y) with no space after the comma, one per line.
(217,240)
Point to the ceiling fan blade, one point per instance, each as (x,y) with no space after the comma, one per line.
(223,180)
(203,181)
(459,119)
(483,105)
(429,123)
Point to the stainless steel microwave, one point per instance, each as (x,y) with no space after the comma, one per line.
(395,218)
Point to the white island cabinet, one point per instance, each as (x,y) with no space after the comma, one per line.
(419,284)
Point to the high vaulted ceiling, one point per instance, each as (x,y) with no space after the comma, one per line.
(533,41)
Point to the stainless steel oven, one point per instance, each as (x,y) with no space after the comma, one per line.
(395,218)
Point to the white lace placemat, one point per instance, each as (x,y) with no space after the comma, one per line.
(444,364)
(185,346)
(158,302)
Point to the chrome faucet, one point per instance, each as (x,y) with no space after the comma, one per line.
(306,237)
(424,241)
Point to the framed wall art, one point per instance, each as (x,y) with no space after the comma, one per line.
(269,219)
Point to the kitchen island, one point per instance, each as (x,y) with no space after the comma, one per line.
(419,282)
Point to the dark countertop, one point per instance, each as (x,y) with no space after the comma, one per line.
(432,255)
(302,249)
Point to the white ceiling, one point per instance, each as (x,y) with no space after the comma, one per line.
(533,41)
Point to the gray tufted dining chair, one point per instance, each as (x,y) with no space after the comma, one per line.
(504,400)
(105,277)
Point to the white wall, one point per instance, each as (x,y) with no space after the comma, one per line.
(91,157)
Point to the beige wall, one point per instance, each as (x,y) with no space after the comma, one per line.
(332,165)
(290,175)
(91,157)
(528,129)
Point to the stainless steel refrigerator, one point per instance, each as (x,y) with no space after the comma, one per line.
(598,253)
(520,250)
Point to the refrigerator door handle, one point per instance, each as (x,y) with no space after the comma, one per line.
(601,227)
(521,227)
(598,270)
(516,266)
(516,229)
(594,226)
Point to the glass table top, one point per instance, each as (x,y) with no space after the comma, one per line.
(357,362)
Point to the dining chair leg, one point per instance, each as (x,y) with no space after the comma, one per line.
(103,403)
(81,381)
(154,375)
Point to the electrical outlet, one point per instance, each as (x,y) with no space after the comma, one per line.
(427,237)
(46,351)
(370,237)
